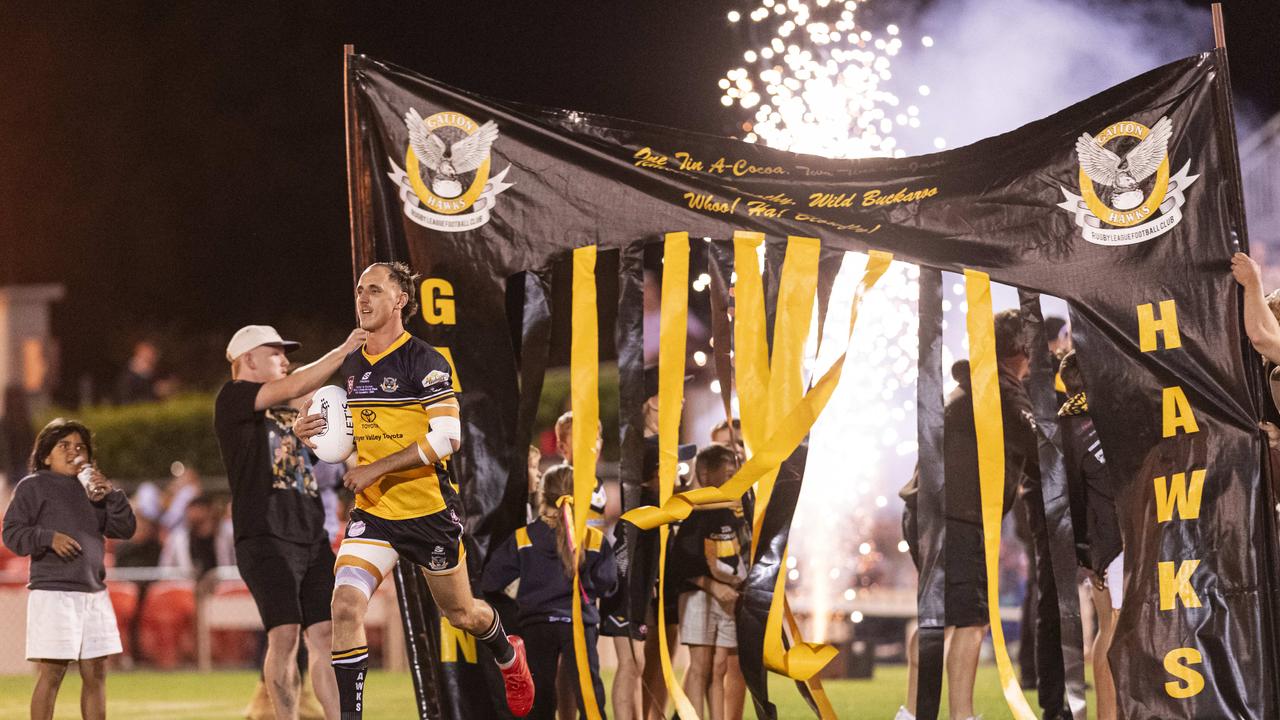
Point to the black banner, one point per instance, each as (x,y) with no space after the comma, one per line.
(1126,205)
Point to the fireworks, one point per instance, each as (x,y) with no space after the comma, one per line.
(816,81)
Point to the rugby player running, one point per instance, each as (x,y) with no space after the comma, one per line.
(405,417)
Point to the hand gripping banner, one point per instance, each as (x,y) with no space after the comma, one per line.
(500,192)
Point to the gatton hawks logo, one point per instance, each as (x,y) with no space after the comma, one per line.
(1126,193)
(445,182)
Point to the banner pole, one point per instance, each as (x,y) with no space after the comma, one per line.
(357,195)
(417,612)
(1255,370)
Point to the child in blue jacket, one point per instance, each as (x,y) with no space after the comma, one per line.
(540,556)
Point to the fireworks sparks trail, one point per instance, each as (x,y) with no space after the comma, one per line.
(817,81)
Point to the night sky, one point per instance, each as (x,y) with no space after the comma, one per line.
(180,167)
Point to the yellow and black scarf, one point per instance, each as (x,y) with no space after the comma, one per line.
(1075,405)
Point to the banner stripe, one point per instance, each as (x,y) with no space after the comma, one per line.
(791,323)
(673,333)
(750,351)
(780,444)
(584,369)
(987,419)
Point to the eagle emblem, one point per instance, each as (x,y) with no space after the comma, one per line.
(1121,177)
(446,182)
(447,160)
(1127,194)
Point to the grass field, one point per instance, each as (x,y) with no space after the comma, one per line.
(222,696)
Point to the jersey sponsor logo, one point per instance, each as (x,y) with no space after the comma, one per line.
(390,384)
(365,377)
(434,377)
(355,529)
(445,182)
(368,415)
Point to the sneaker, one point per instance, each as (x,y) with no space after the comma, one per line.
(904,714)
(259,707)
(309,707)
(518,681)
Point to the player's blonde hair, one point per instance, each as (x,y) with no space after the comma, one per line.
(556,483)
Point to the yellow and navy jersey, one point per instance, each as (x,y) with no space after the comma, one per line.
(393,396)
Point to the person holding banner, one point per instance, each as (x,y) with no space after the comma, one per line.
(1262,324)
(406,424)
(541,555)
(282,552)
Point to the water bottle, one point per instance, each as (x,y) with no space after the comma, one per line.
(85,475)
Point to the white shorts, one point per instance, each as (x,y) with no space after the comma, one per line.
(704,622)
(68,625)
(1115,581)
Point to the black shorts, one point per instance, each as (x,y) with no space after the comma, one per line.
(965,566)
(613,611)
(291,583)
(432,541)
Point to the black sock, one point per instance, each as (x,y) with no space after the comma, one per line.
(349,667)
(495,638)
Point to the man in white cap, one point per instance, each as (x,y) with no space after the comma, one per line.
(282,549)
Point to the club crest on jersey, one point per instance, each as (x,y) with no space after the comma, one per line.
(356,529)
(1126,193)
(437,560)
(390,384)
(434,377)
(445,182)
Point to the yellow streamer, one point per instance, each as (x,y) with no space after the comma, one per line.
(804,660)
(778,445)
(987,416)
(825,711)
(584,368)
(672,334)
(750,349)
(794,313)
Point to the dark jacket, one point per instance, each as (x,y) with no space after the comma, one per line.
(960,450)
(1086,469)
(545,594)
(46,502)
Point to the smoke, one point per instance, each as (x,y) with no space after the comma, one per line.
(996,65)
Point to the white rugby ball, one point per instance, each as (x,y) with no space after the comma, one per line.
(336,441)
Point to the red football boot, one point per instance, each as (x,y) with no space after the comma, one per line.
(518,681)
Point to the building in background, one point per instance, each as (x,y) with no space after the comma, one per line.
(28,350)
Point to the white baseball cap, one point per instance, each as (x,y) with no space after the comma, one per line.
(251,336)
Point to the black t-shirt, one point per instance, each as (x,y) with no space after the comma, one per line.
(687,555)
(273,485)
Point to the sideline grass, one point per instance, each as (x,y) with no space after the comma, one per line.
(222,695)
